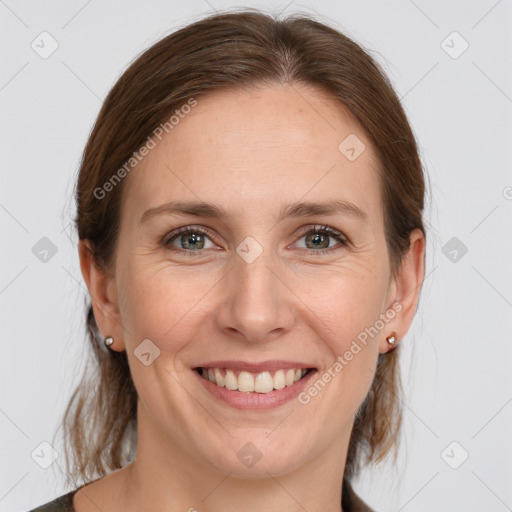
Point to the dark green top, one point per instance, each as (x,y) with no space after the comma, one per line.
(350,502)
(63,503)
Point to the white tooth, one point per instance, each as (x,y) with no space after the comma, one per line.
(279,380)
(290,374)
(263,383)
(297,376)
(211,375)
(219,378)
(245,381)
(230,380)
(303,372)
(204,373)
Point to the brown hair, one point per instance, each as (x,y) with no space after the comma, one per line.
(243,49)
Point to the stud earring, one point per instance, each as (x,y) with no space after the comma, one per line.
(108,341)
(392,339)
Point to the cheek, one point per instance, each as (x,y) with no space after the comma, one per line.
(162,305)
(347,303)
(353,352)
(355,318)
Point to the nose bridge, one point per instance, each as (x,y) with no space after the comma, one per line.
(256,302)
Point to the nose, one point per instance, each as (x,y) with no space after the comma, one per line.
(257,305)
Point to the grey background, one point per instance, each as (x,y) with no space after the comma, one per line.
(457,355)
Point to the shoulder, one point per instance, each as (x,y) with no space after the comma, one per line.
(63,503)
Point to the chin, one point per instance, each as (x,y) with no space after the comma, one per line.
(255,454)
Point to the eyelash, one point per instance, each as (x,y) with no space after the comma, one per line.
(314,230)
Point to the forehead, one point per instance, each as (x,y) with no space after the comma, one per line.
(250,149)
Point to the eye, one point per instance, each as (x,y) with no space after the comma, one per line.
(317,238)
(190,239)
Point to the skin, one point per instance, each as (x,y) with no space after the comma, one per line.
(252,153)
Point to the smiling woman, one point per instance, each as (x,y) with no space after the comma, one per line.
(250,279)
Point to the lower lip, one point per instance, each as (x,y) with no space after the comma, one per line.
(252,400)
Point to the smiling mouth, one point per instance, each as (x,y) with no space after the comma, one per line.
(251,382)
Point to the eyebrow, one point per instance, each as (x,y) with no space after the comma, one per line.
(297,209)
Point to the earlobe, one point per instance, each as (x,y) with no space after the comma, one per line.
(406,288)
(102,290)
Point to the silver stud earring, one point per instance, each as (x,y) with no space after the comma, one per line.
(392,339)
(108,341)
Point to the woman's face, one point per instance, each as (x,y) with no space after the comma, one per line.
(255,289)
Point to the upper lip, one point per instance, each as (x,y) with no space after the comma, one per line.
(273,364)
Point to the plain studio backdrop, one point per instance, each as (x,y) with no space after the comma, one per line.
(450,62)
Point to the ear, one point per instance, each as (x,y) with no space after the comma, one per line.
(102,289)
(405,288)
